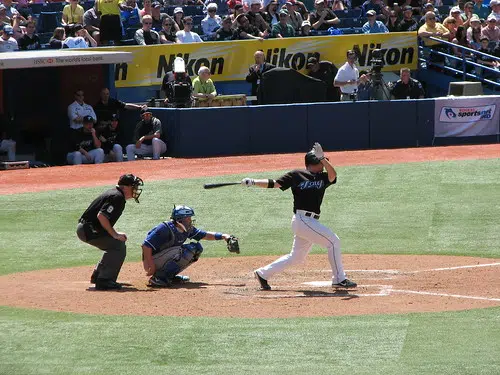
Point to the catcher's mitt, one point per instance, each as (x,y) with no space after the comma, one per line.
(232,245)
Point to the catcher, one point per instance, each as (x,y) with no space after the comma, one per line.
(165,254)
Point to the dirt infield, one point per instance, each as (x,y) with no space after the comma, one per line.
(224,287)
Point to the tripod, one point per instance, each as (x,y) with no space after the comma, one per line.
(379,90)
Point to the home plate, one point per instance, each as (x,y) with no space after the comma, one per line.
(318,284)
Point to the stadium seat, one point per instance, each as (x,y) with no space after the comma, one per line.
(448,2)
(128,42)
(351,13)
(48,21)
(87,5)
(45,37)
(130,32)
(56,7)
(444,10)
(193,10)
(197,20)
(309,4)
(38,8)
(352,22)
(197,29)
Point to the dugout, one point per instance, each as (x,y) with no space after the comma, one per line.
(36,88)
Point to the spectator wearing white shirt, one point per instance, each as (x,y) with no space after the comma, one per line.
(186,35)
(78,110)
(7,42)
(212,22)
(495,9)
(348,78)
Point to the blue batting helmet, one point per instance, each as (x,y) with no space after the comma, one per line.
(181,212)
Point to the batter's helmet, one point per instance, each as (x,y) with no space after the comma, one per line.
(311,159)
(181,212)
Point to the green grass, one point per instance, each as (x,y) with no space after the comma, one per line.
(420,208)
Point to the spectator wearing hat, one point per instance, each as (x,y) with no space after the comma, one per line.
(271,14)
(72,13)
(294,18)
(92,22)
(212,22)
(7,42)
(283,29)
(203,86)
(256,16)
(247,31)
(78,37)
(322,18)
(491,31)
(147,136)
(10,10)
(186,35)
(85,147)
(157,16)
(29,41)
(495,9)
(474,32)
(110,27)
(324,71)
(456,13)
(373,26)
(168,31)
(481,10)
(226,32)
(305,29)
(256,70)
(146,36)
(179,18)
(434,29)
(109,137)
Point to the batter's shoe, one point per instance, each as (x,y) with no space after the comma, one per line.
(263,282)
(156,282)
(180,279)
(345,284)
(93,278)
(104,284)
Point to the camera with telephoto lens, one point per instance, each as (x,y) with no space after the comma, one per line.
(377,63)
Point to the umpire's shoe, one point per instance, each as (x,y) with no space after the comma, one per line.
(104,284)
(345,284)
(93,278)
(156,282)
(263,282)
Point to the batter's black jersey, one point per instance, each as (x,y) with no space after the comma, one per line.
(308,188)
(111,204)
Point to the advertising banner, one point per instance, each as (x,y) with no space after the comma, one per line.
(467,116)
(229,61)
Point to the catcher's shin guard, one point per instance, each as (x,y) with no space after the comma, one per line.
(176,259)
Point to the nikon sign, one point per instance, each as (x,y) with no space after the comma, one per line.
(229,61)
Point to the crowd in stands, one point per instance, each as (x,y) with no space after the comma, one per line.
(35,24)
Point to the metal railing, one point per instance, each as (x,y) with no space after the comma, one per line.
(467,61)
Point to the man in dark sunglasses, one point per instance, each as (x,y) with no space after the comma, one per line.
(146,35)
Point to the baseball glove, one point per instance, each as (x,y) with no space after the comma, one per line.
(232,245)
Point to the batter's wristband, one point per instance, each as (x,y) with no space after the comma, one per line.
(270,183)
(218,236)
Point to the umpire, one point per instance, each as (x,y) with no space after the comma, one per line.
(95,227)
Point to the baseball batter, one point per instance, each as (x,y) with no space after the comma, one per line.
(308,188)
(95,227)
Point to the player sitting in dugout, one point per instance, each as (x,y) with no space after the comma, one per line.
(165,253)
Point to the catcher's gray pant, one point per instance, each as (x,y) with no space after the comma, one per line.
(96,157)
(114,255)
(10,146)
(169,262)
(157,148)
(308,231)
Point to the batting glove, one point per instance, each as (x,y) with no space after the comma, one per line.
(318,151)
(248,182)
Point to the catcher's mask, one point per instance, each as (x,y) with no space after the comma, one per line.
(135,182)
(180,214)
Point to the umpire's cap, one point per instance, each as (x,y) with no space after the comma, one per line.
(311,159)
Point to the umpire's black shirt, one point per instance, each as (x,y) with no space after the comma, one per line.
(308,188)
(111,204)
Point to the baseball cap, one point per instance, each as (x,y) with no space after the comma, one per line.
(283,12)
(311,61)
(429,5)
(145,110)
(9,30)
(178,10)
(114,117)
(407,8)
(305,23)
(212,6)
(87,119)
(491,17)
(2,7)
(156,4)
(455,10)
(475,18)
(319,1)
(371,12)
(494,2)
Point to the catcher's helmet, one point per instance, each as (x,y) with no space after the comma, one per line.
(181,212)
(135,182)
(311,159)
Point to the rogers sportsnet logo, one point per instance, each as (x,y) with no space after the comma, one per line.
(467,114)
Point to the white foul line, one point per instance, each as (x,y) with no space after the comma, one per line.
(444,295)
(457,268)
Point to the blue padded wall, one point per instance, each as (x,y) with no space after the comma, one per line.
(277,128)
(425,122)
(393,124)
(339,126)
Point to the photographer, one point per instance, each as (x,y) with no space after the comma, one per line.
(407,87)
(348,79)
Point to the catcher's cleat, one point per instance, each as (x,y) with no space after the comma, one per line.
(93,278)
(345,284)
(179,279)
(104,284)
(263,282)
(156,282)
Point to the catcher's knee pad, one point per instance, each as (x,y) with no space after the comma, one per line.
(176,259)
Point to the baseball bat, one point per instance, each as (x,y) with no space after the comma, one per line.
(218,185)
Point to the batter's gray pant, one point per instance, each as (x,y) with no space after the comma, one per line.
(114,255)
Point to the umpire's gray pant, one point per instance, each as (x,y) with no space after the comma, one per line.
(114,255)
